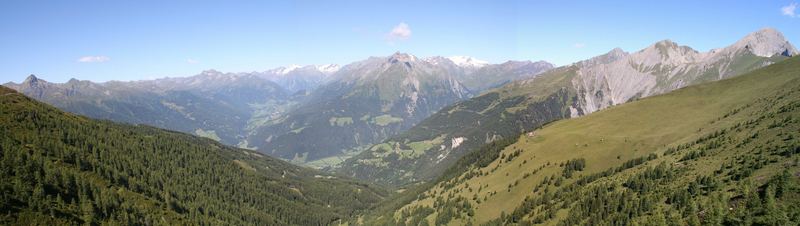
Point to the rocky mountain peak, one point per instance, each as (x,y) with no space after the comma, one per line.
(665,52)
(32,79)
(210,72)
(401,57)
(617,51)
(666,42)
(766,43)
(286,69)
(327,68)
(542,62)
(666,47)
(611,56)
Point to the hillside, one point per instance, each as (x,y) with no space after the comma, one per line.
(211,104)
(495,75)
(271,110)
(723,152)
(58,168)
(367,101)
(425,150)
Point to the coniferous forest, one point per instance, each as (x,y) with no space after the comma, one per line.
(59,168)
(412,113)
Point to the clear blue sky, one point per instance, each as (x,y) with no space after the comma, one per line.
(134,40)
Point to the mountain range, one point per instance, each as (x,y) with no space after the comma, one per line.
(717,153)
(270,110)
(211,104)
(574,90)
(370,100)
(666,134)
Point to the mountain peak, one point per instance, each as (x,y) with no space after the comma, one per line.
(211,72)
(401,57)
(767,31)
(616,52)
(286,69)
(32,82)
(611,56)
(666,43)
(666,46)
(328,68)
(766,43)
(31,79)
(544,63)
(467,61)
(73,81)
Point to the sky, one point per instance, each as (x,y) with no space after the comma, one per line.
(135,40)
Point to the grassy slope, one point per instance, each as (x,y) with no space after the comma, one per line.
(610,137)
(503,113)
(497,112)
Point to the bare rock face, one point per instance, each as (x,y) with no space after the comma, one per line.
(618,77)
(568,91)
(765,43)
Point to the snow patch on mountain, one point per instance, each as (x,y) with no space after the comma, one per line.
(328,68)
(466,61)
(287,69)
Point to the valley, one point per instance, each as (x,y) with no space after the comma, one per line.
(270,111)
(412,113)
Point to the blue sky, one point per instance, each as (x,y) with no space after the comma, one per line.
(132,40)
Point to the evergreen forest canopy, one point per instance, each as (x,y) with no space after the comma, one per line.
(59,168)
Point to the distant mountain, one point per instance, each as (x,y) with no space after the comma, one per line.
(368,101)
(495,75)
(62,169)
(364,102)
(212,104)
(569,91)
(243,108)
(466,61)
(717,153)
(478,76)
(295,78)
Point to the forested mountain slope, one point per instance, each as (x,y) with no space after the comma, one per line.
(367,101)
(59,168)
(724,152)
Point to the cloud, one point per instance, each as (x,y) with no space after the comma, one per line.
(93,59)
(789,10)
(399,32)
(579,45)
(191,61)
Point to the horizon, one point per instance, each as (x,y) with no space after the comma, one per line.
(88,42)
